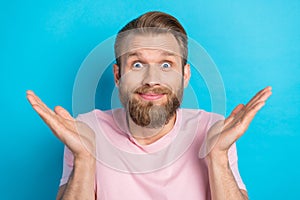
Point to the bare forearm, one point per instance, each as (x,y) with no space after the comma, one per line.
(81,182)
(222,182)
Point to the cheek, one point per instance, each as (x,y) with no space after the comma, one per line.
(173,80)
(130,81)
(133,79)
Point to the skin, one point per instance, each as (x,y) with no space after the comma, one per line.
(151,53)
(222,183)
(79,138)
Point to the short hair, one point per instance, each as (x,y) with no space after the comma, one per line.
(153,22)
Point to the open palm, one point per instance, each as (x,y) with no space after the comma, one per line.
(224,133)
(76,135)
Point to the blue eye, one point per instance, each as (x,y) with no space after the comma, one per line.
(137,65)
(166,65)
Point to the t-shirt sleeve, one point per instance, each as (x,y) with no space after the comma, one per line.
(68,161)
(67,166)
(232,153)
(233,161)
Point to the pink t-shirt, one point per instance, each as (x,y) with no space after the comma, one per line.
(169,168)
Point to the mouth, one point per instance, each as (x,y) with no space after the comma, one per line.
(151,96)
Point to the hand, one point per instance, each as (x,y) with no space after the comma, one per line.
(224,133)
(77,136)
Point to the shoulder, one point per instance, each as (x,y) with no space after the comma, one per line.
(99,114)
(98,117)
(200,115)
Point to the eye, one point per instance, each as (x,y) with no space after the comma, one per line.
(137,65)
(166,65)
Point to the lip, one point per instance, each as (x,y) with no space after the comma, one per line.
(151,97)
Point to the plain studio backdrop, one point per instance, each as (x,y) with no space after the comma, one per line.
(253,44)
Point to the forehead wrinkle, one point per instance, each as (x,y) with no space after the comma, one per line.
(163,53)
(162,47)
(164,42)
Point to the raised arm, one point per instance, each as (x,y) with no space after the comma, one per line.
(220,138)
(80,139)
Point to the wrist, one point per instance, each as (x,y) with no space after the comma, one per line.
(218,158)
(84,161)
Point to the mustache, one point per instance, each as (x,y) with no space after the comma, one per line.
(155,90)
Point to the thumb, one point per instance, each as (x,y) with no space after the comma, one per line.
(63,113)
(235,111)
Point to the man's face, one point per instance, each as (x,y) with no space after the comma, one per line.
(152,78)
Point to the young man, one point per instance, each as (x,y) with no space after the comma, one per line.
(156,144)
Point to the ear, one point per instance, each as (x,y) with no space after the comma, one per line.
(186,74)
(116,74)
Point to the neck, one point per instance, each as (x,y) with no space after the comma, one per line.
(146,136)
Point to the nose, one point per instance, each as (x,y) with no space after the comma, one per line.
(152,75)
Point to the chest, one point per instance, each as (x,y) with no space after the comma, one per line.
(184,178)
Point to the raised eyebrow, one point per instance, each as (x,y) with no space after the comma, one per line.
(133,54)
(167,53)
(164,53)
(168,61)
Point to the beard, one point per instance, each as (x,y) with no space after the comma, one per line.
(147,114)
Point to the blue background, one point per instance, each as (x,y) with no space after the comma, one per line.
(253,43)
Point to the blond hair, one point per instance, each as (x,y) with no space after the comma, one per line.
(157,23)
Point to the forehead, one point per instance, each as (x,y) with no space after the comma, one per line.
(165,43)
(150,54)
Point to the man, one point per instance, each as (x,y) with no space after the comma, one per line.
(151,71)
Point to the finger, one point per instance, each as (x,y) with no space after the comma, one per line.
(36,100)
(55,123)
(44,114)
(30,97)
(249,115)
(66,118)
(59,126)
(241,124)
(47,115)
(246,115)
(241,120)
(235,111)
(258,96)
(63,113)
(263,98)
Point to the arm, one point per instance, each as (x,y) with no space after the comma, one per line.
(221,180)
(220,138)
(81,181)
(80,139)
